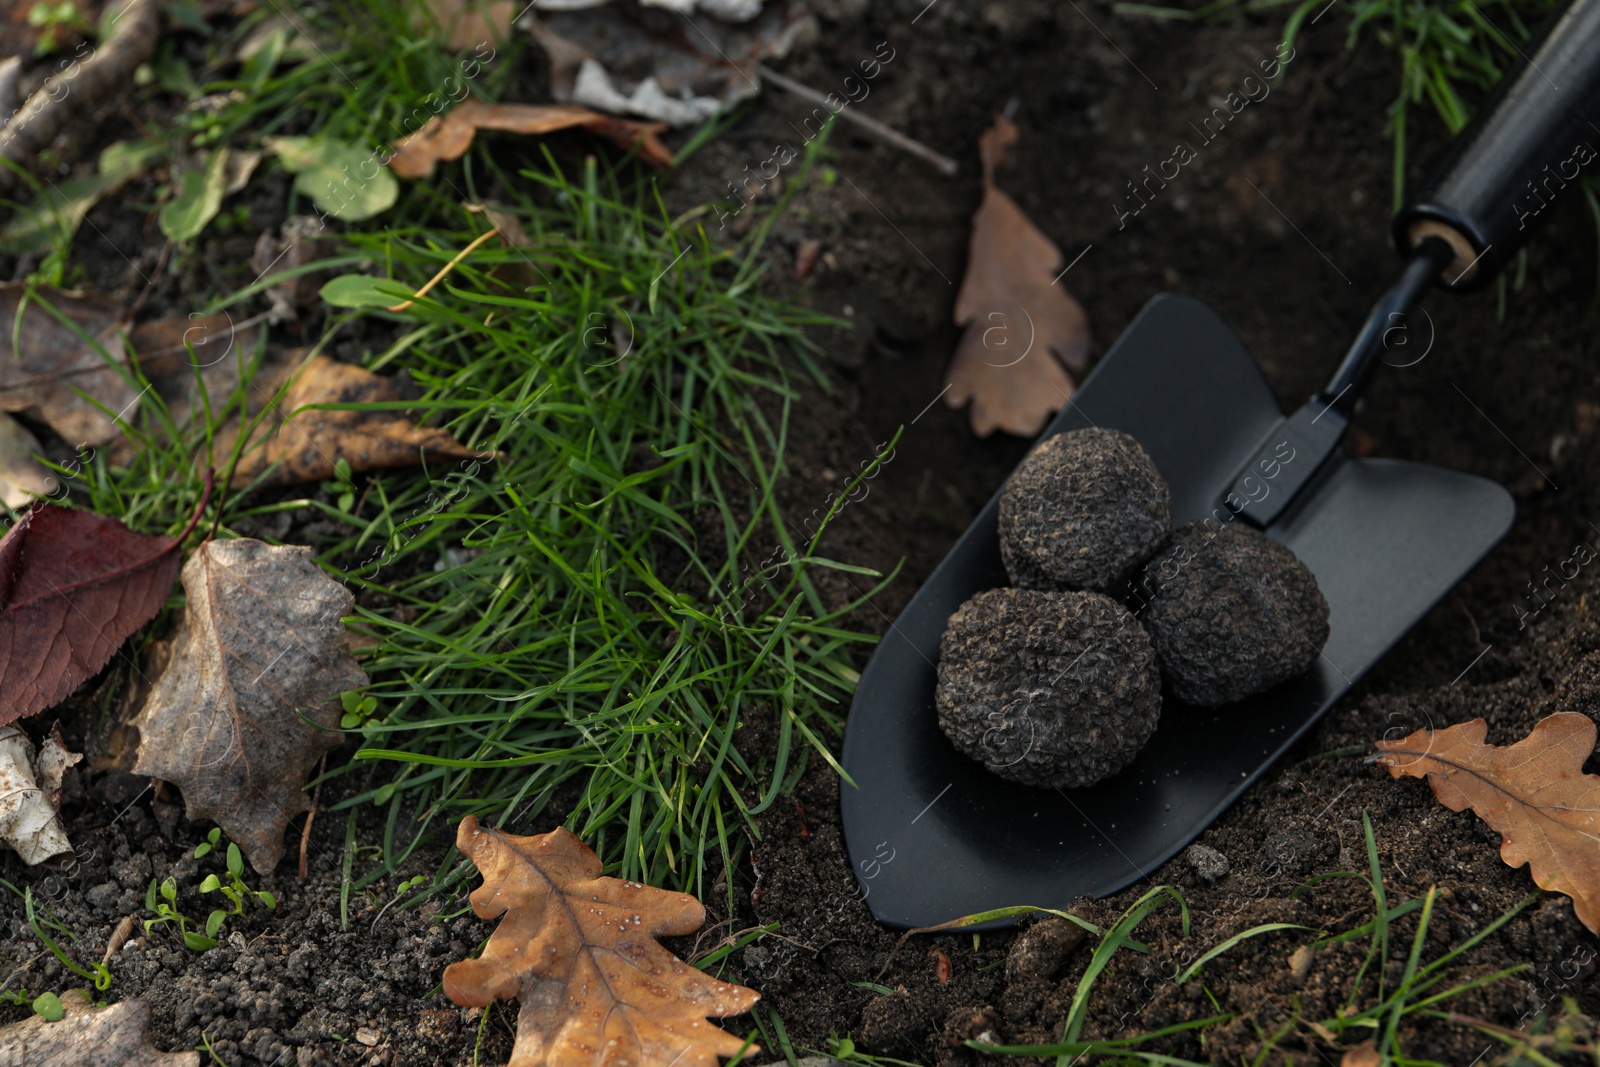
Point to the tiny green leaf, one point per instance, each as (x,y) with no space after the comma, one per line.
(334,174)
(363,291)
(198,942)
(211,884)
(235,860)
(169,889)
(214,922)
(268,899)
(48,1007)
(201,849)
(198,201)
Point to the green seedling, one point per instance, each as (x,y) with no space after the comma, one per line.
(166,911)
(54,22)
(233,888)
(47,1006)
(37,921)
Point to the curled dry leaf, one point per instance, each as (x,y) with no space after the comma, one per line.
(305,442)
(248,701)
(30,794)
(73,586)
(88,1037)
(1021,324)
(450,135)
(1362,1055)
(51,359)
(651,60)
(580,952)
(1533,793)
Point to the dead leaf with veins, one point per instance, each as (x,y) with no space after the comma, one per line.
(87,1036)
(1023,329)
(580,951)
(74,585)
(249,699)
(1533,793)
(65,343)
(301,441)
(448,136)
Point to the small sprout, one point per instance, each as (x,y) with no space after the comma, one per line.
(208,844)
(48,1007)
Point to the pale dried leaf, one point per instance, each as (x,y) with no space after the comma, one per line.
(22,476)
(1022,326)
(580,952)
(28,822)
(55,759)
(449,135)
(1533,793)
(248,702)
(50,360)
(88,1037)
(470,23)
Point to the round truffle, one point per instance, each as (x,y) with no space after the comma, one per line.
(1050,689)
(1082,511)
(1232,612)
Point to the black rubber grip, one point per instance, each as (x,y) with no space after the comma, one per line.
(1533,143)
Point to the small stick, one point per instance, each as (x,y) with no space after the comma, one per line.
(884,133)
(446,269)
(305,831)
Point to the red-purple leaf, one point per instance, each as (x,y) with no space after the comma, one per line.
(73,586)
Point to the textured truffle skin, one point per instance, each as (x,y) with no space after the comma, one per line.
(1232,612)
(1050,689)
(1082,511)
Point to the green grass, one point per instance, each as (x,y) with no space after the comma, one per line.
(575,626)
(1374,1010)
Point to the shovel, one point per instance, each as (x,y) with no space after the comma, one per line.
(932,835)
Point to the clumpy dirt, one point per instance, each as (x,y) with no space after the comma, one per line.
(1280,224)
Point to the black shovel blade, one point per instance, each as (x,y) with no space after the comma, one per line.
(932,836)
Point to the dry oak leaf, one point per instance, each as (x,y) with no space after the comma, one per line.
(306,441)
(48,361)
(1362,1055)
(580,951)
(1021,324)
(248,701)
(73,586)
(448,136)
(1533,793)
(88,1037)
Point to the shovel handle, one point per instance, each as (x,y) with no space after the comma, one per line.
(1538,135)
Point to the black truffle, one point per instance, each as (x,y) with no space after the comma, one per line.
(1232,612)
(1052,689)
(1082,511)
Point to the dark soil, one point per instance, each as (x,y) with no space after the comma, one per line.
(1511,398)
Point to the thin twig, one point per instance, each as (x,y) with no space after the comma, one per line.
(446,269)
(884,133)
(305,831)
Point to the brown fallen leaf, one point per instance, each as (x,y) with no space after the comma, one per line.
(1021,324)
(448,136)
(306,441)
(469,23)
(87,1036)
(40,374)
(73,586)
(1363,1055)
(248,701)
(30,795)
(580,952)
(1533,793)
